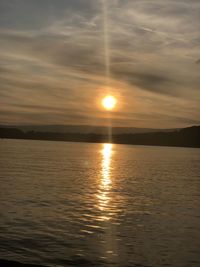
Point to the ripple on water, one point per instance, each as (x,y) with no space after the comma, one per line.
(128,206)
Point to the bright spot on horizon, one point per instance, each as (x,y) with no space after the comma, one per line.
(109,102)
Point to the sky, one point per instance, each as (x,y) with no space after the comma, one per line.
(58,58)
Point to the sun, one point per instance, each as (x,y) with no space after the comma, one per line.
(109,102)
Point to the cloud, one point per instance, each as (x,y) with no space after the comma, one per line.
(55,49)
(152,82)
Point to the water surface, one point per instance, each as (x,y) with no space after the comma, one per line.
(66,204)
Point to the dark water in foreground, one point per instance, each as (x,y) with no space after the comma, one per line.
(66,204)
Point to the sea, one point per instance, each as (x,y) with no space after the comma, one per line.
(83,204)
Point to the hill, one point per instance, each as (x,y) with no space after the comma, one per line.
(84,129)
(186,137)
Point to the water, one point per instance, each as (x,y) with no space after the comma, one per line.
(76,204)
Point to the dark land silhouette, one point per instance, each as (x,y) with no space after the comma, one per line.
(85,129)
(186,137)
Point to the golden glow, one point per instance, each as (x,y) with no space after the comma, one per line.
(105,183)
(107,151)
(109,102)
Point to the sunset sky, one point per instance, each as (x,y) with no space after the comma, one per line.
(52,62)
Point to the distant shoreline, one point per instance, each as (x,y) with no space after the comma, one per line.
(186,137)
(90,142)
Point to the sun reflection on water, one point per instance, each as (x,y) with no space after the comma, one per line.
(105,182)
(107,153)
